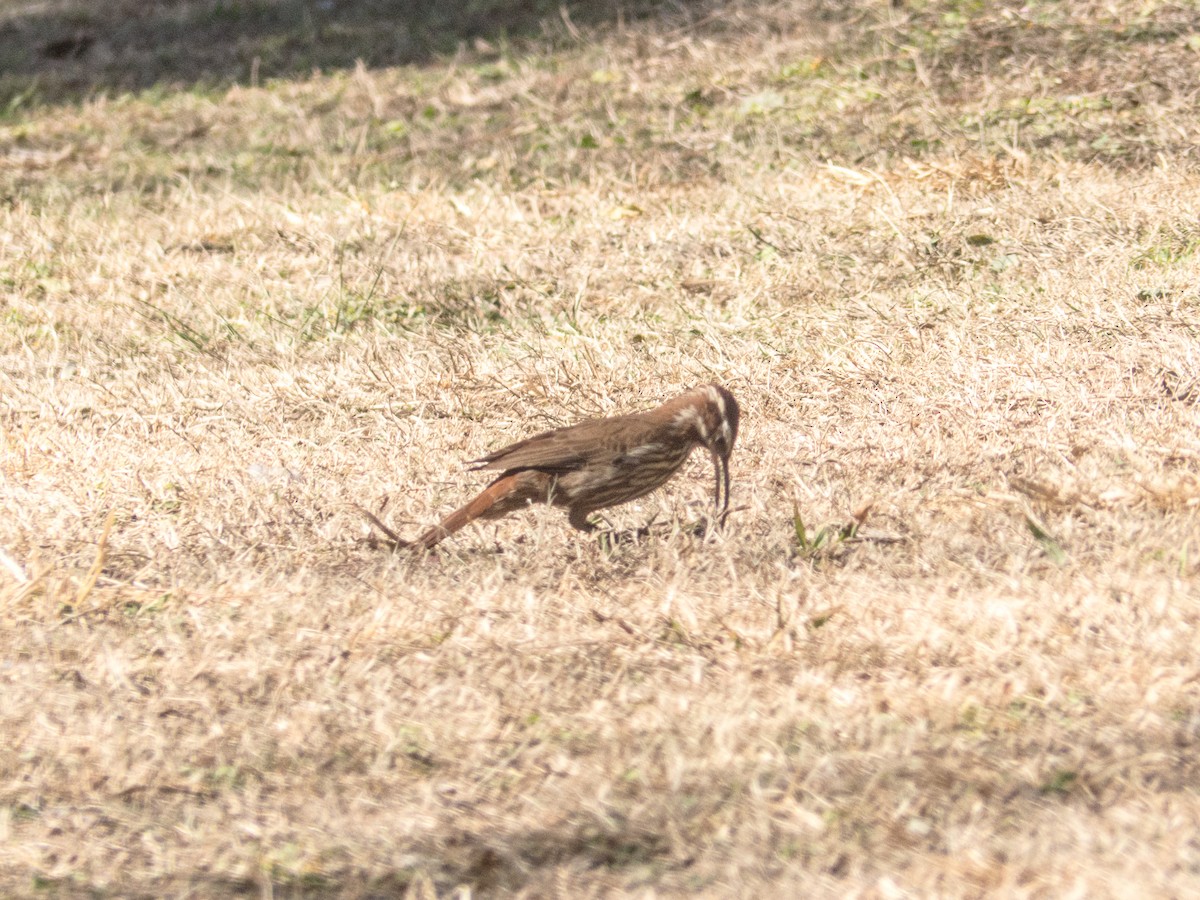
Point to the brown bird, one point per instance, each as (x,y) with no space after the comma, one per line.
(601,462)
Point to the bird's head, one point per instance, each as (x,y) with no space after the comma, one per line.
(715,420)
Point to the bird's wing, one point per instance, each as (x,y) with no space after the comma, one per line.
(558,451)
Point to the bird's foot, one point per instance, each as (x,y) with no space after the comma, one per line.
(613,537)
(705,525)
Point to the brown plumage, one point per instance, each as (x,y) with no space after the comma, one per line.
(601,462)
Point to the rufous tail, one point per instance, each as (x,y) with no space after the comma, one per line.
(499,498)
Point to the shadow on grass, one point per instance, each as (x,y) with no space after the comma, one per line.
(68,51)
(498,864)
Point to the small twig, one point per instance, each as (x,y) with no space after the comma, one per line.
(621,623)
(13,567)
(875,537)
(89,581)
(93,574)
(762,240)
(565,15)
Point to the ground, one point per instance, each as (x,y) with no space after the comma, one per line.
(262,261)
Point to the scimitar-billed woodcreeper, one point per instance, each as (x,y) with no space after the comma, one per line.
(600,463)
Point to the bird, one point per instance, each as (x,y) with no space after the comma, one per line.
(599,463)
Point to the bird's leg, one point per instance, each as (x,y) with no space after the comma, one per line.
(644,531)
(612,536)
(578,517)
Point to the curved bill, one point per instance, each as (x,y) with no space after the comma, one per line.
(721,469)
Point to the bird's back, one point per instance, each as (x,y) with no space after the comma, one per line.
(567,449)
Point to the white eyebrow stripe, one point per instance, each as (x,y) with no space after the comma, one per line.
(716,397)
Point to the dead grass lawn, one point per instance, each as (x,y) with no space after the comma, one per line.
(944,254)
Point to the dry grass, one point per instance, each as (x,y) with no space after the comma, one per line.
(946,256)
